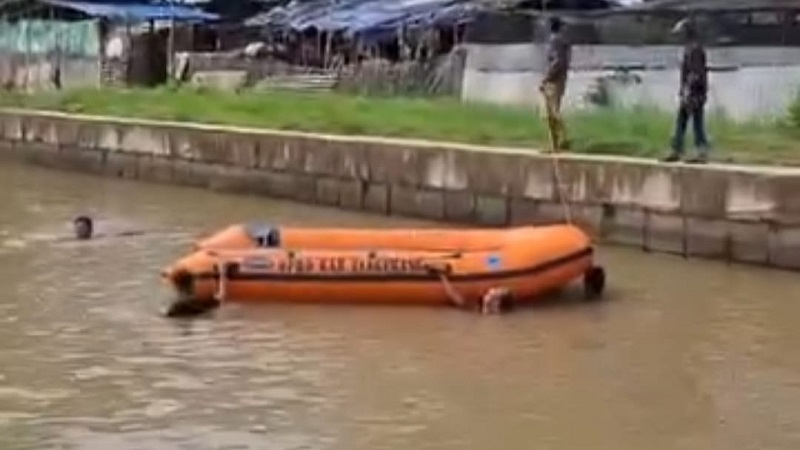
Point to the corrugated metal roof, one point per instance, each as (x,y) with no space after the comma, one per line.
(365,16)
(553,5)
(720,5)
(135,11)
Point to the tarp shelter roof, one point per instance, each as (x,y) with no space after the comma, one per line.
(366,16)
(452,14)
(135,11)
(714,5)
(552,5)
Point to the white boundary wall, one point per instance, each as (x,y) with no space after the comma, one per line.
(751,83)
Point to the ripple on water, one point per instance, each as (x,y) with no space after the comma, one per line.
(155,361)
(191,437)
(161,408)
(38,395)
(9,417)
(96,372)
(182,382)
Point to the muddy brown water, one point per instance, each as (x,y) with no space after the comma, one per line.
(683,355)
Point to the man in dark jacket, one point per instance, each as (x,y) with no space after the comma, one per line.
(693,93)
(554,83)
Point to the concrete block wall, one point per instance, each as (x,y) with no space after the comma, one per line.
(744,214)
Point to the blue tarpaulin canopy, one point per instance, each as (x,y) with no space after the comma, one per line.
(135,11)
(449,15)
(370,17)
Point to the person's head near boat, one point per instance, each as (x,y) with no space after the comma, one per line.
(496,300)
(83,227)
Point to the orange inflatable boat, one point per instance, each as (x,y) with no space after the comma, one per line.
(396,266)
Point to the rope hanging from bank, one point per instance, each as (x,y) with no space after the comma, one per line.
(563,198)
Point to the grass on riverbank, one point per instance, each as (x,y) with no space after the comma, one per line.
(637,132)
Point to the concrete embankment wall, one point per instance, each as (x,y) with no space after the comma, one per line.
(745,214)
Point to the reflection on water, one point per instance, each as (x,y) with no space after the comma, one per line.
(686,355)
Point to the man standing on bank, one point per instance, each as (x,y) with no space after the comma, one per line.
(693,93)
(554,83)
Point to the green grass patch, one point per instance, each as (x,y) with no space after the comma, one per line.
(634,132)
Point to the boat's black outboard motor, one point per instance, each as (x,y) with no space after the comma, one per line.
(191,308)
(267,236)
(186,305)
(594,283)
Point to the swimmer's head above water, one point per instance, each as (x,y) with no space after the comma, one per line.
(496,300)
(83,227)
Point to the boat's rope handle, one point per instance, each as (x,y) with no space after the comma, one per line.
(221,293)
(438,268)
(449,288)
(561,190)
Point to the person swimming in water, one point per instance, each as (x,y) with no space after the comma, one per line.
(83,228)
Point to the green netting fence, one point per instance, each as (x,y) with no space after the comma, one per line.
(78,38)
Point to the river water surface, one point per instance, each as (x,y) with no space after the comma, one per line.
(684,355)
